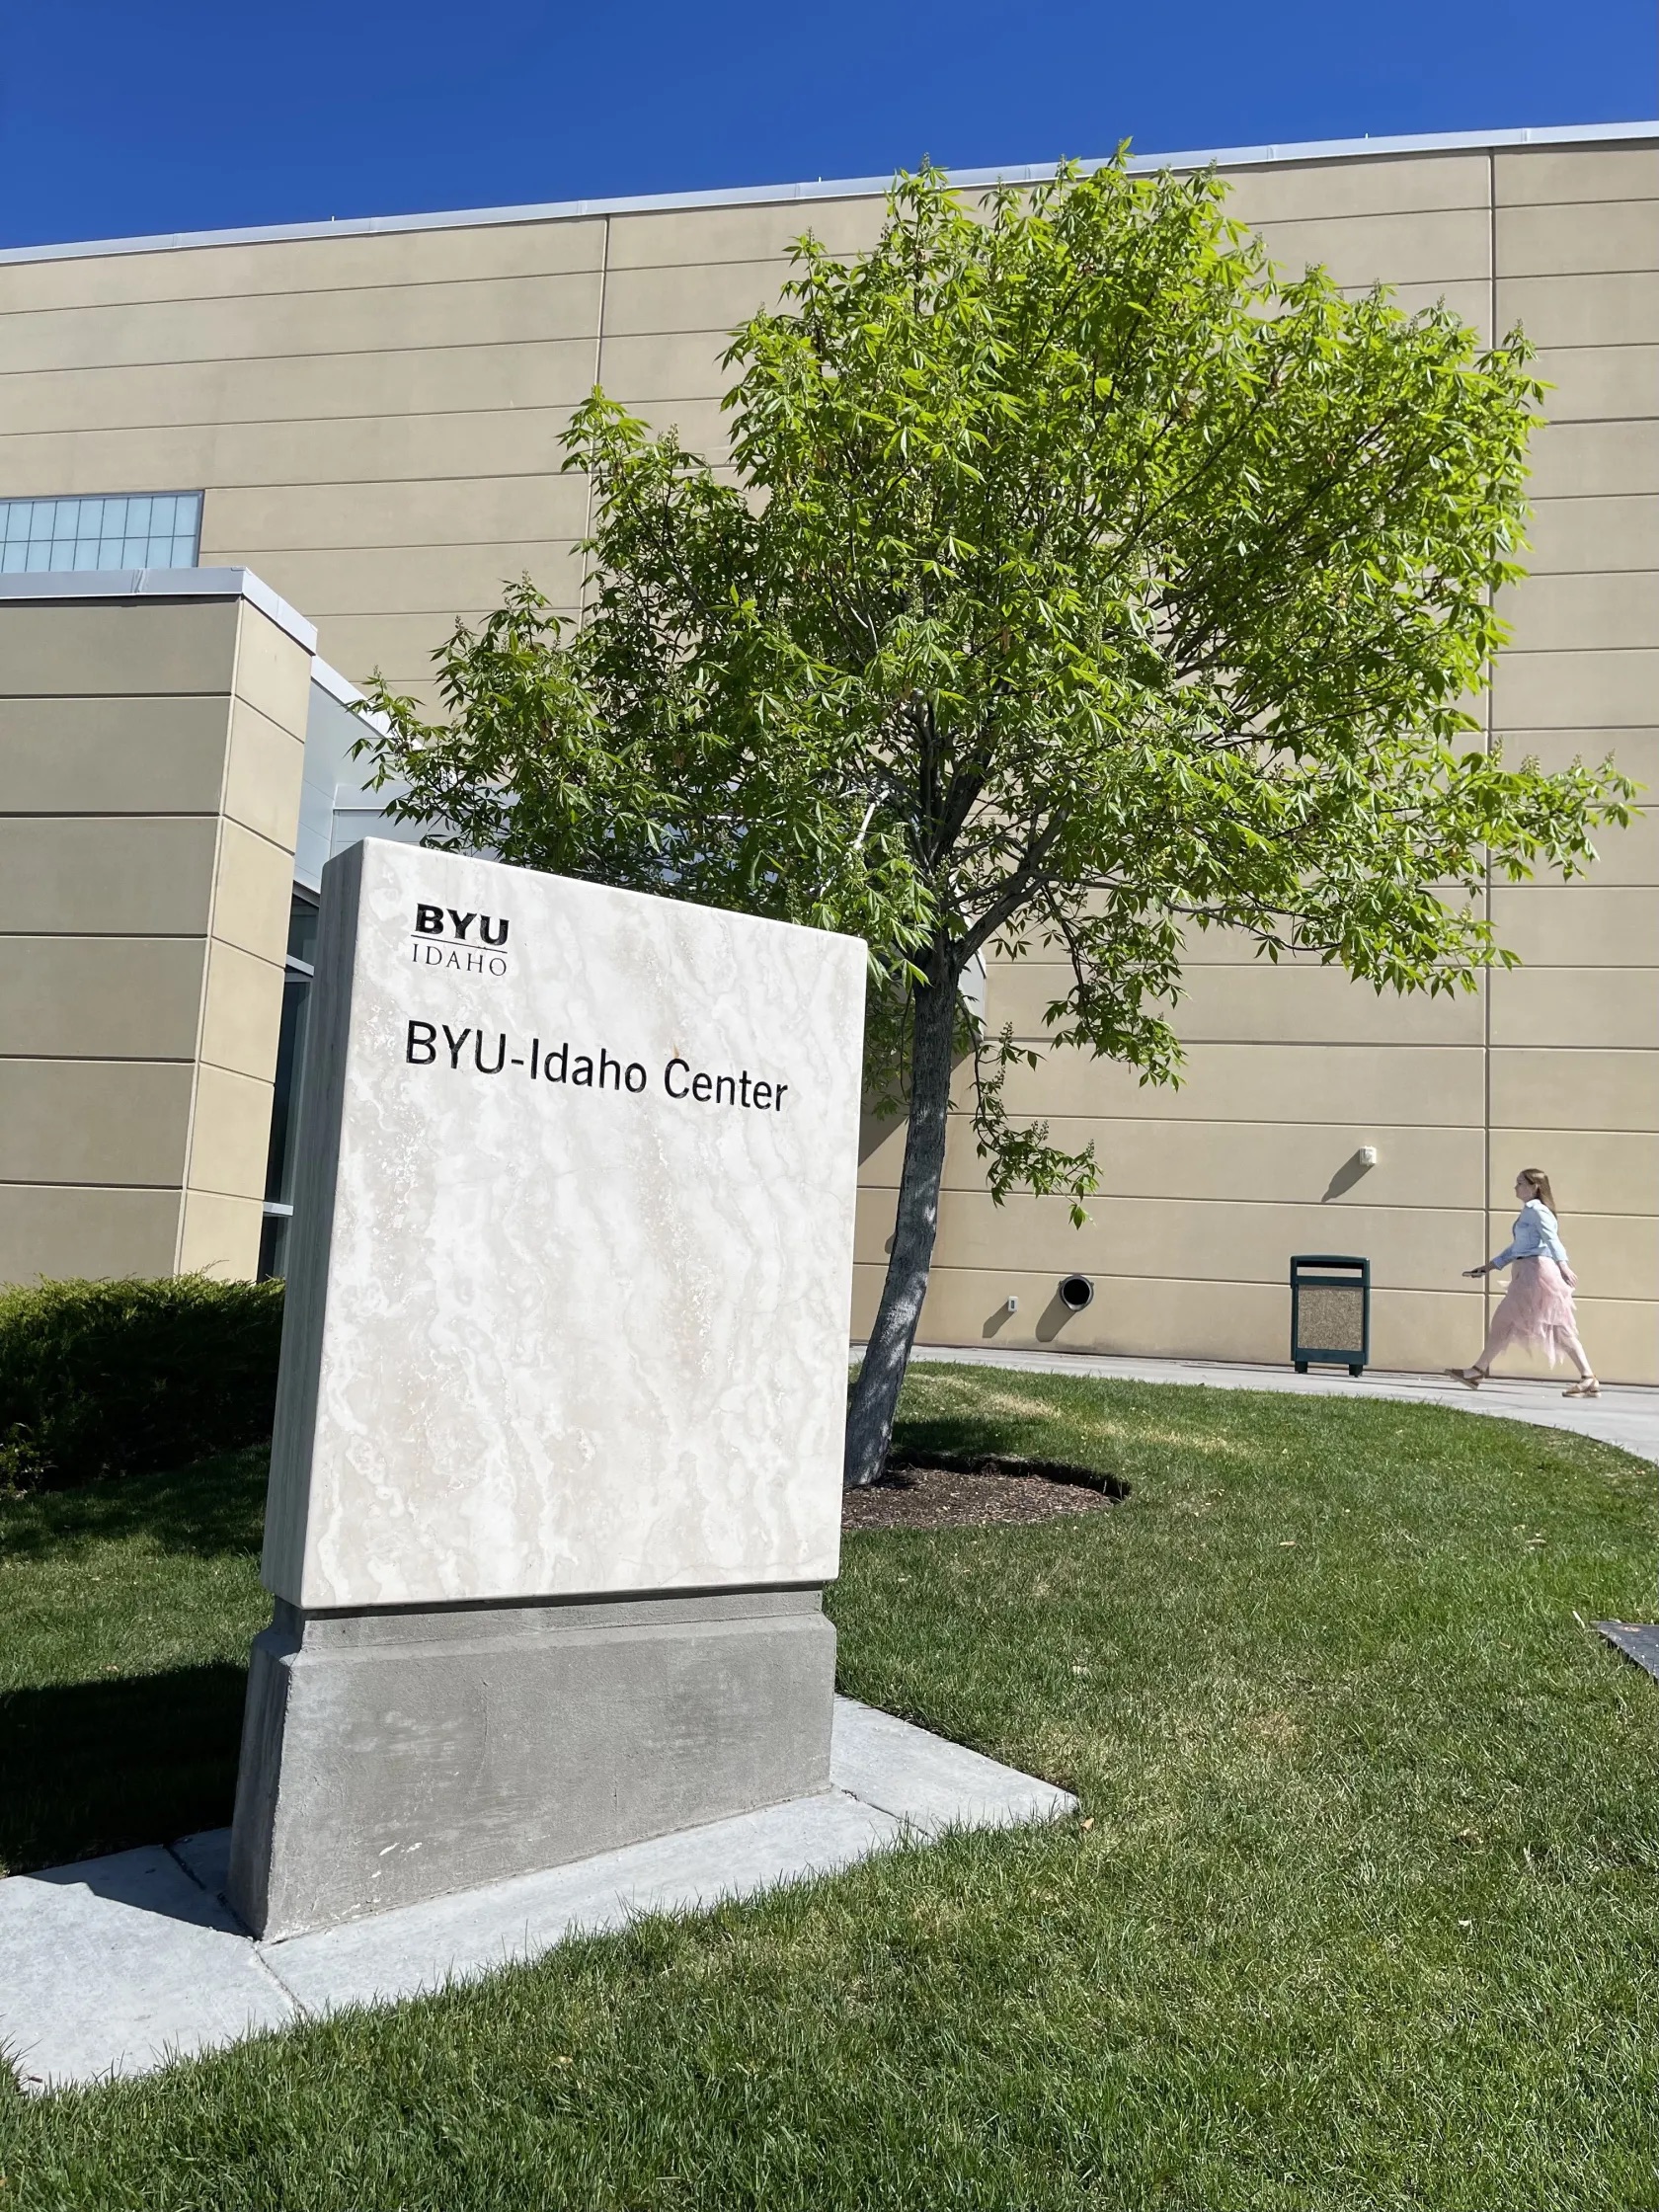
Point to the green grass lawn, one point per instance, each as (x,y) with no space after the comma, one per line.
(1363,1908)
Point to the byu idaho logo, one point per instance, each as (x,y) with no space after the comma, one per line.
(442,937)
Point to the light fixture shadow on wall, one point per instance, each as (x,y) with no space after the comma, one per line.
(1351,1171)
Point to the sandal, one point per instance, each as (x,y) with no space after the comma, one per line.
(1586,1387)
(1470,1378)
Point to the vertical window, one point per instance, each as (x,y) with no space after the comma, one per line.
(284,1103)
(135,530)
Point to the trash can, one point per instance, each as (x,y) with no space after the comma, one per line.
(1331,1312)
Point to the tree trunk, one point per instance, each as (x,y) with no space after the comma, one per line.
(875,1397)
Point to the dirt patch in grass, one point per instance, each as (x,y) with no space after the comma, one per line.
(940,1490)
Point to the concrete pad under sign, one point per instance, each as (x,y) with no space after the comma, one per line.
(117,1966)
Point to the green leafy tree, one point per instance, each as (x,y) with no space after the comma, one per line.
(1077,582)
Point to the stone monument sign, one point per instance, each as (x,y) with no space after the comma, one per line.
(556,1480)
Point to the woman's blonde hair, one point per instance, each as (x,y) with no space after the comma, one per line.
(1541,1185)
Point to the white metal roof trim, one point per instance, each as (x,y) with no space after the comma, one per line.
(853,188)
(163,583)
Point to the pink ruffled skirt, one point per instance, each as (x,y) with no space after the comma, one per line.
(1536,1311)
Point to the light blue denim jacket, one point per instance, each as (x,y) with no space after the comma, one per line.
(1534,1233)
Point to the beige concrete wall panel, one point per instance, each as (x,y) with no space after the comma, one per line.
(1612,690)
(1256,1003)
(1196,1240)
(1594,535)
(373,320)
(261,783)
(1539,176)
(111,755)
(1576,239)
(1595,1007)
(1392,1085)
(665,367)
(1600,310)
(1628,856)
(94,876)
(1583,613)
(1602,1173)
(230,1134)
(1624,859)
(1613,1257)
(100,997)
(240,456)
(221,1236)
(1469,301)
(1214,948)
(1600,383)
(365,388)
(1292,1003)
(1437,248)
(252,893)
(313,517)
(673,237)
(706,296)
(1411,1330)
(1621,1336)
(54,463)
(461,446)
(124,1121)
(1567,1087)
(1288,1163)
(400,644)
(1388,186)
(306,265)
(83,649)
(704,425)
(1580,925)
(1635,750)
(434,582)
(78,1233)
(241,1013)
(273,674)
(1605,462)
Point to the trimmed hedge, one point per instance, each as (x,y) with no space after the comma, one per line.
(133,1376)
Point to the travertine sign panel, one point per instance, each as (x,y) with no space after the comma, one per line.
(572,1251)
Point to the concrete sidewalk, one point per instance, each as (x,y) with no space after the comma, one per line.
(115,1966)
(1624,1414)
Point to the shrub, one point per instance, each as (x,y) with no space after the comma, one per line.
(132,1377)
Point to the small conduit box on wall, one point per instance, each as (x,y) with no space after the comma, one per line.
(1331,1312)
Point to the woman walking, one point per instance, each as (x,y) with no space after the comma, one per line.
(1538,1306)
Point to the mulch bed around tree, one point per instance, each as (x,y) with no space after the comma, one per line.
(942,1490)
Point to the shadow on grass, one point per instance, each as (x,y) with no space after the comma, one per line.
(92,1767)
(213,1508)
(967,1437)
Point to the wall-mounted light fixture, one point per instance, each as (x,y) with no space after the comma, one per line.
(1075,1291)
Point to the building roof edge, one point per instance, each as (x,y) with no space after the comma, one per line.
(844,188)
(161,583)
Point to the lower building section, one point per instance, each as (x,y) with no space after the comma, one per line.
(1146,1318)
(1389,1146)
(394,1756)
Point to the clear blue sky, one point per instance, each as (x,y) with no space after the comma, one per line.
(166,114)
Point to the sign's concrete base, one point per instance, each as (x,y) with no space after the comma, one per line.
(119,1965)
(393,1755)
